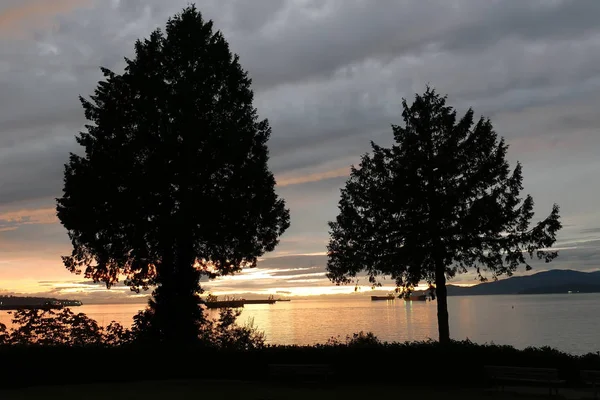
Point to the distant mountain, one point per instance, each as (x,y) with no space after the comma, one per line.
(554,281)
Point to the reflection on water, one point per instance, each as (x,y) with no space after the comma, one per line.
(567,322)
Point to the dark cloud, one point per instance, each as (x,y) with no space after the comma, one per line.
(529,21)
(248,17)
(330,75)
(293,265)
(342,33)
(591,230)
(78,284)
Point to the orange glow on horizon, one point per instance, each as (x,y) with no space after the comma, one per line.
(288,180)
(311,290)
(74,288)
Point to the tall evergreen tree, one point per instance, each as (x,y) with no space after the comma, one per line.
(442,200)
(174,182)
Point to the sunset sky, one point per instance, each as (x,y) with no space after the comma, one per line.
(330,76)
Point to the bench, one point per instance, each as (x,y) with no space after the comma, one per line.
(591,378)
(301,371)
(502,375)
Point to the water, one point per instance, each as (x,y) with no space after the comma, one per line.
(567,322)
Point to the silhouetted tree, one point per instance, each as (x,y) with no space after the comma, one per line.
(222,333)
(174,183)
(360,339)
(61,328)
(440,201)
(52,328)
(4,334)
(226,333)
(116,334)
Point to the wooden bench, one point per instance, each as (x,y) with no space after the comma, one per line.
(591,378)
(303,372)
(500,376)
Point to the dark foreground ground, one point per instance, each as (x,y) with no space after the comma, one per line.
(214,390)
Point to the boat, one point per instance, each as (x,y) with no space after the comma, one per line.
(416,297)
(70,303)
(380,298)
(225,304)
(259,301)
(284,299)
(270,300)
(263,301)
(214,302)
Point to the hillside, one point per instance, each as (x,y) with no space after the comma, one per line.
(34,301)
(547,282)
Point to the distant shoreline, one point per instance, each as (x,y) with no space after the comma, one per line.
(13,303)
(517,294)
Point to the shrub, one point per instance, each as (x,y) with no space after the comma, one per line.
(226,334)
(413,363)
(116,335)
(360,339)
(4,336)
(60,328)
(223,333)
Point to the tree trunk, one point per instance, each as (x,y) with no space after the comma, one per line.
(176,308)
(177,312)
(442,303)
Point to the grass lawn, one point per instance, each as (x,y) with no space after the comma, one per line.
(173,390)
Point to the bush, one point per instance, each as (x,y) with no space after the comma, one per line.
(65,328)
(416,363)
(41,337)
(61,328)
(4,336)
(223,333)
(116,335)
(227,335)
(360,339)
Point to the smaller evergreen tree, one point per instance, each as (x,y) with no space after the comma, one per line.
(442,200)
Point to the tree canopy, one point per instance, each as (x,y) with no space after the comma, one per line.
(441,200)
(174,181)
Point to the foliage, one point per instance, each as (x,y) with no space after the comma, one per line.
(440,201)
(174,181)
(116,334)
(223,333)
(65,328)
(227,335)
(360,339)
(142,328)
(4,334)
(410,363)
(60,328)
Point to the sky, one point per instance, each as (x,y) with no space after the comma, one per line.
(330,76)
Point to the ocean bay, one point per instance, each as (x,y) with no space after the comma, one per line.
(567,322)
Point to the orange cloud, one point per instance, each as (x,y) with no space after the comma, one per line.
(280,254)
(14,17)
(12,219)
(314,177)
(538,144)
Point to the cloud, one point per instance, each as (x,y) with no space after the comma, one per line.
(13,219)
(330,76)
(17,16)
(591,230)
(314,177)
